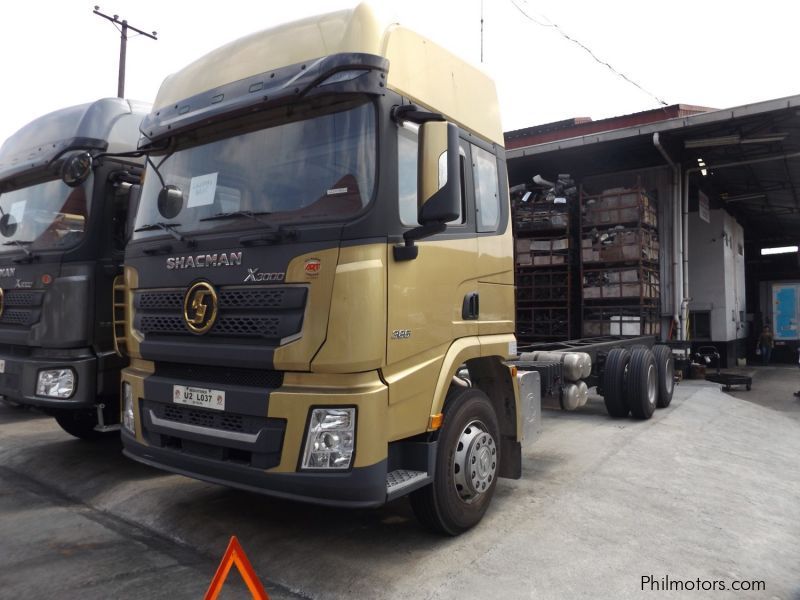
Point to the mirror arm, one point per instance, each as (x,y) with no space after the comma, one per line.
(409,250)
(411,112)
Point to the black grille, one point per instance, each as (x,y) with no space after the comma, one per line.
(23,298)
(262,453)
(259,313)
(206,418)
(252,298)
(248,326)
(18,317)
(219,375)
(169,300)
(162,324)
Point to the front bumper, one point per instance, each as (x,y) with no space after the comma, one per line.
(18,379)
(361,487)
(256,443)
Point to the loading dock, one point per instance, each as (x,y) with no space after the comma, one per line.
(726,185)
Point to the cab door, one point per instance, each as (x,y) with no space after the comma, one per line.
(426,300)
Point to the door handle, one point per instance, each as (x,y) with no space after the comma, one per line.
(470,309)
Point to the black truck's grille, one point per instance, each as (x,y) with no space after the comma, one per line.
(266,313)
(23,298)
(19,317)
(20,307)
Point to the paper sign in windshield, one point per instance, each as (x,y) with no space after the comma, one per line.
(17,210)
(202,190)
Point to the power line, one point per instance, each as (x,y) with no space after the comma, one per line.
(123,27)
(562,33)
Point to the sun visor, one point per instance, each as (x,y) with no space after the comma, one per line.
(83,127)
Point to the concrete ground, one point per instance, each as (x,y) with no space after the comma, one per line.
(708,489)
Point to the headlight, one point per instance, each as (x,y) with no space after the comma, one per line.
(56,383)
(330,439)
(128,421)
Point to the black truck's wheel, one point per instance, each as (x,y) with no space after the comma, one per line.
(666,374)
(614,376)
(467,463)
(79,423)
(642,390)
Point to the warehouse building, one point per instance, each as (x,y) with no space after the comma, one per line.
(722,189)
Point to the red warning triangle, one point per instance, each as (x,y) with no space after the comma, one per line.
(235,555)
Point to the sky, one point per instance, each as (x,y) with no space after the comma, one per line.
(57,53)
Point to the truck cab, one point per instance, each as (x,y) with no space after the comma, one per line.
(63,215)
(319,286)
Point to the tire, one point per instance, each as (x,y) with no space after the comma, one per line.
(642,389)
(665,363)
(614,376)
(78,423)
(452,504)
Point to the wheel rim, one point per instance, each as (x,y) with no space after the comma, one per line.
(474,462)
(670,374)
(652,379)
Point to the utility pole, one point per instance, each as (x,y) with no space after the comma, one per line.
(123,44)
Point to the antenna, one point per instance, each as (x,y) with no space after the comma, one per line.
(481,30)
(123,45)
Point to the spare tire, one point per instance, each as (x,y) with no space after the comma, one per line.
(614,380)
(642,388)
(665,363)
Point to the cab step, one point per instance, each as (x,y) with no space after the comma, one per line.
(402,481)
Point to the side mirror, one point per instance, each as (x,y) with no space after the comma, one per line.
(76,169)
(438,185)
(8,226)
(170,201)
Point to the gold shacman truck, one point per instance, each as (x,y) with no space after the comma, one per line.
(63,212)
(320,291)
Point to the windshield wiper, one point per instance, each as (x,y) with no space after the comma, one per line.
(170,229)
(239,213)
(21,244)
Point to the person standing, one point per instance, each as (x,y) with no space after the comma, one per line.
(765,344)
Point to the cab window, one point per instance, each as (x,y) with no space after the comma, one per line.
(487,189)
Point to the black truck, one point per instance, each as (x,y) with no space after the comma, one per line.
(65,195)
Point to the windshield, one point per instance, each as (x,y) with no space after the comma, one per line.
(44,216)
(317,169)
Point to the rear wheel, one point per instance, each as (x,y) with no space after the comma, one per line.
(614,376)
(665,364)
(467,463)
(78,423)
(642,390)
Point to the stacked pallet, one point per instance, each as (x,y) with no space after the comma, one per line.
(544,261)
(619,263)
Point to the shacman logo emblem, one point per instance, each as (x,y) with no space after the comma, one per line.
(235,555)
(313,266)
(200,307)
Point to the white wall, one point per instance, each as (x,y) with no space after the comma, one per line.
(716,273)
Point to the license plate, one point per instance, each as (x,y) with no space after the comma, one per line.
(2,366)
(196,396)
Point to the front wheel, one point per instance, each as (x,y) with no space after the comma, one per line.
(467,463)
(78,423)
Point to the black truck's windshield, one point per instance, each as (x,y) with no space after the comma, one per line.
(317,169)
(44,216)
